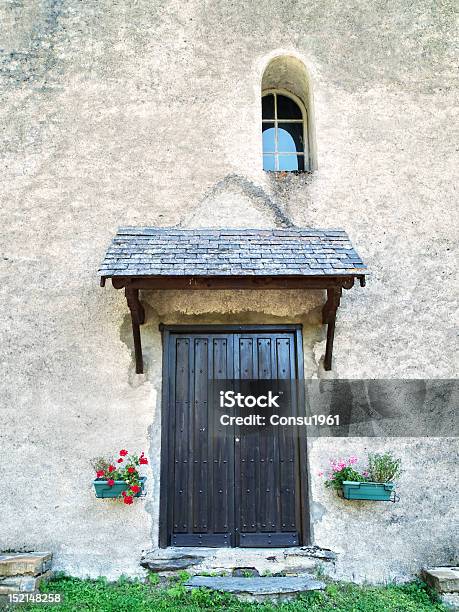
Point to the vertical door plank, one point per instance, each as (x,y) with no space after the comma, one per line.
(222,486)
(248,448)
(181,493)
(287,447)
(267,485)
(200,433)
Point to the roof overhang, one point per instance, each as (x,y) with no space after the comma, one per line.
(235,282)
(171,259)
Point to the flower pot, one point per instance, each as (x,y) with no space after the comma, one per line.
(105,491)
(376,491)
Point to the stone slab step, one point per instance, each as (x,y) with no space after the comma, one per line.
(173,559)
(442,579)
(20,564)
(21,584)
(197,560)
(451,601)
(257,588)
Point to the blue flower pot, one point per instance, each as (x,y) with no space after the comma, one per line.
(104,491)
(376,491)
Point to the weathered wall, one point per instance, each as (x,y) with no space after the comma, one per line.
(148,113)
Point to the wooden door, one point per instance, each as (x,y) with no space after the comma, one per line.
(229,485)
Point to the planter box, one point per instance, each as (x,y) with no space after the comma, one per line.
(377,491)
(104,491)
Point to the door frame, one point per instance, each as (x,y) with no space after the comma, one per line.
(165,509)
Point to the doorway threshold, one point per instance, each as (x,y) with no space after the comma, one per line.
(292,561)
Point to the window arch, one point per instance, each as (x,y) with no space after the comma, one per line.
(284,129)
(287,116)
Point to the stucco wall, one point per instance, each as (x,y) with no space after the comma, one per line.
(149,113)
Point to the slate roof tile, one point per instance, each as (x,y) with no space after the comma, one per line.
(155,251)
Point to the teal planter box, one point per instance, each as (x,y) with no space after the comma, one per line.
(376,491)
(104,491)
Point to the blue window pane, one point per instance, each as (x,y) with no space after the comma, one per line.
(268,163)
(285,142)
(288,162)
(268,138)
(290,137)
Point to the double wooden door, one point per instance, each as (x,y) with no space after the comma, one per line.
(228,485)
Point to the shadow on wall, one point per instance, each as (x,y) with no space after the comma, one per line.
(235,201)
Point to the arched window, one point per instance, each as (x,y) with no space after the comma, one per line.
(287,116)
(284,129)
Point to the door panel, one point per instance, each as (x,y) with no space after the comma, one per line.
(227,485)
(267,461)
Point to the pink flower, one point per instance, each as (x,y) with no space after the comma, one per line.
(365,474)
(352,460)
(320,474)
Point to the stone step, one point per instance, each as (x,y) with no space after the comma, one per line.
(21,584)
(21,564)
(197,560)
(451,601)
(442,579)
(280,588)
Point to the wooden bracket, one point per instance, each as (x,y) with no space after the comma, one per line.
(333,285)
(138,318)
(329,318)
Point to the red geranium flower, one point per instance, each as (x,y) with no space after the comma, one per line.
(128,499)
(100,473)
(111,468)
(123,452)
(120,460)
(143,461)
(110,482)
(131,470)
(135,488)
(123,493)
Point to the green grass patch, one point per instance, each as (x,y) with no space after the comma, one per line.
(138,596)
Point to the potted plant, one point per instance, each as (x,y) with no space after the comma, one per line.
(121,480)
(375,483)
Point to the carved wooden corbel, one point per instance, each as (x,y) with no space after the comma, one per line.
(329,318)
(138,318)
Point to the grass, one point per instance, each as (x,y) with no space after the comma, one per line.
(141,596)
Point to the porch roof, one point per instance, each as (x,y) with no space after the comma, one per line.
(142,258)
(154,251)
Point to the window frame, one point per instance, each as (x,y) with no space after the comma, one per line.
(304,120)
